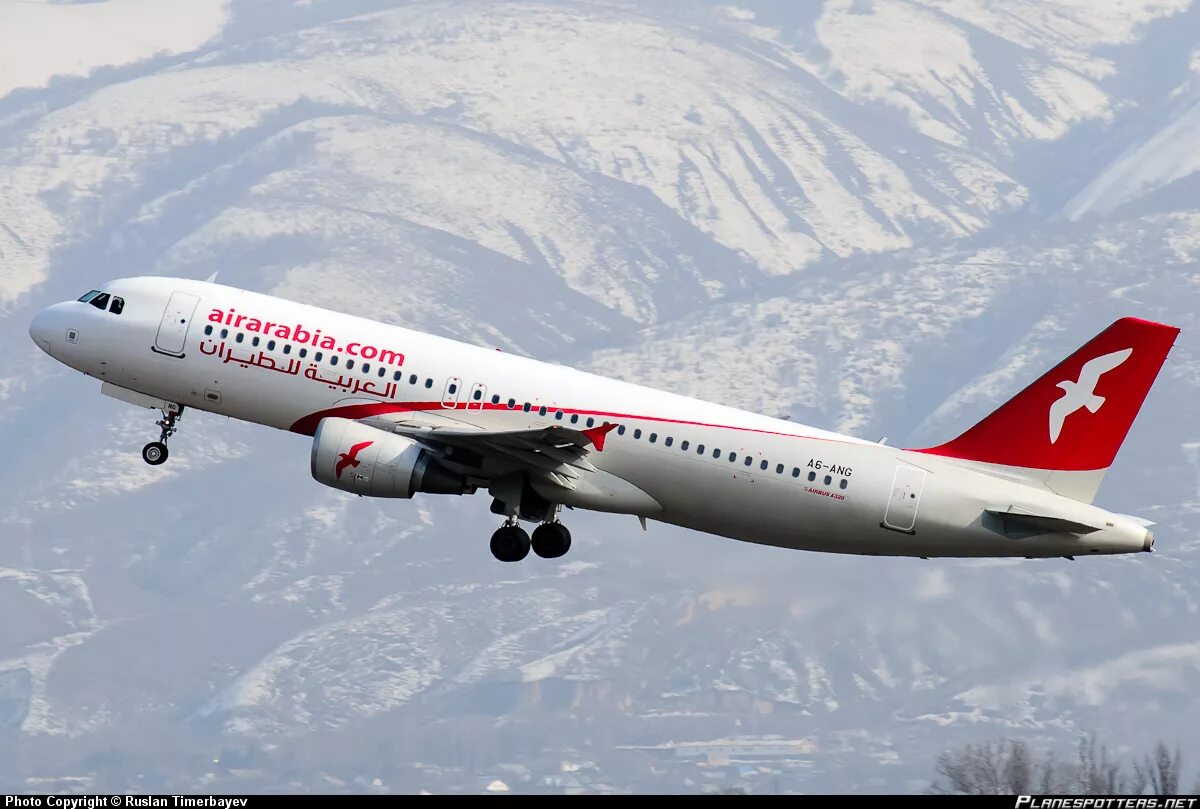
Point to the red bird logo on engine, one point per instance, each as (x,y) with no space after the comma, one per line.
(349,458)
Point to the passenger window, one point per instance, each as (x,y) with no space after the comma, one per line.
(828,480)
(795,471)
(429,383)
(574,418)
(287,348)
(453,388)
(590,421)
(842,485)
(303,353)
(812,476)
(382,372)
(396,377)
(542,410)
(100,301)
(512,403)
(526,407)
(412,380)
(558,414)
(699,449)
(668,441)
(653,437)
(779,469)
(683,445)
(333,359)
(224,333)
(208,329)
(349,365)
(620,429)
(495,398)
(318,356)
(732,457)
(366,367)
(270,345)
(117,306)
(477,395)
(716,453)
(763,466)
(238,337)
(254,341)
(637,433)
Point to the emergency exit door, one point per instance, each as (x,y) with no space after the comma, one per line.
(901,514)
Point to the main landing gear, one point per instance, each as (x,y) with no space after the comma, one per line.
(550,540)
(155,452)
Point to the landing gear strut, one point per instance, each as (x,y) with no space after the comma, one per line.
(155,452)
(510,543)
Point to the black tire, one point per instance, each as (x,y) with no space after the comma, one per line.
(510,544)
(551,540)
(154,453)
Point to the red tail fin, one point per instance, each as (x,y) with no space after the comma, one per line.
(1075,416)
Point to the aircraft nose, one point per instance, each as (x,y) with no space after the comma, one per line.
(45,328)
(39,330)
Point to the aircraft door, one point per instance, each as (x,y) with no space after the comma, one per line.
(177,317)
(901,513)
(451,393)
(478,394)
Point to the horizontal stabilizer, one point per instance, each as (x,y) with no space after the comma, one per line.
(1039,522)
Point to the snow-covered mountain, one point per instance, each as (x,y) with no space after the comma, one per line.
(882,217)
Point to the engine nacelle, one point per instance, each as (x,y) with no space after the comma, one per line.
(359,459)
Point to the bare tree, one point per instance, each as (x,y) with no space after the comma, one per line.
(1095,774)
(1012,767)
(990,768)
(1161,770)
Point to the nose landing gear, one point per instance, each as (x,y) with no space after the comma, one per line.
(155,452)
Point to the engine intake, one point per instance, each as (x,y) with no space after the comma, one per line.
(360,459)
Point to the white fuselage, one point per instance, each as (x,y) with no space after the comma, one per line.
(756,478)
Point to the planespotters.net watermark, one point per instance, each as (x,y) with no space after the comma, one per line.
(122,801)
(1148,802)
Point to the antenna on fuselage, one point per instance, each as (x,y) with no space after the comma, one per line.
(882,440)
(211,278)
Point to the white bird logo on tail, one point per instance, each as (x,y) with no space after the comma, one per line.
(1081,393)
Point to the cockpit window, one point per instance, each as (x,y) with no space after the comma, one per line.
(100,301)
(87,296)
(117,306)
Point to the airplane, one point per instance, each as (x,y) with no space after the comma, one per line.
(394,412)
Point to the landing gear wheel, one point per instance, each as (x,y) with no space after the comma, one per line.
(551,540)
(154,453)
(510,544)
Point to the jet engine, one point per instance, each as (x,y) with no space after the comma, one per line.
(364,460)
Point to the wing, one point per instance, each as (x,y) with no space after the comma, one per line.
(1094,368)
(557,454)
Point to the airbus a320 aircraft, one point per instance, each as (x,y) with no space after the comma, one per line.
(394,412)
